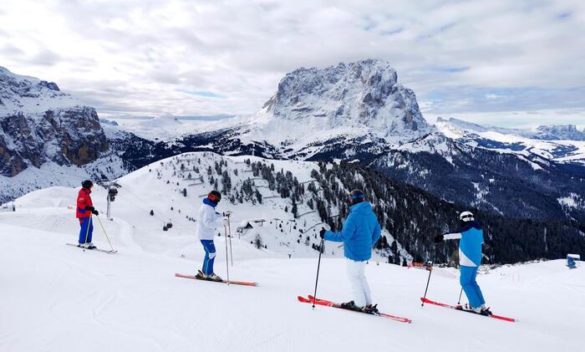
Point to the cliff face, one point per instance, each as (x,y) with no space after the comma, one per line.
(39,123)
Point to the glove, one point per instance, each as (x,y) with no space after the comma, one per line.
(322,233)
(438,238)
(227,213)
(90,208)
(95,212)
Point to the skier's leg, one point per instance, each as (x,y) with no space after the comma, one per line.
(206,258)
(467,280)
(212,253)
(209,256)
(477,289)
(90,232)
(365,285)
(355,280)
(83,223)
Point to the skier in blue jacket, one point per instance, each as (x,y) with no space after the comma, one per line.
(359,234)
(470,254)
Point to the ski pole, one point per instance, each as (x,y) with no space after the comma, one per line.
(430,269)
(227,266)
(230,237)
(105,233)
(318,268)
(460,293)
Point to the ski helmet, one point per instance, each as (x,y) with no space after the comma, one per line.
(87,184)
(356,196)
(466,216)
(214,196)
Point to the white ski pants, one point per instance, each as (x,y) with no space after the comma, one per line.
(359,284)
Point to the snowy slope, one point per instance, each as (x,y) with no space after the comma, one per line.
(58,298)
(160,187)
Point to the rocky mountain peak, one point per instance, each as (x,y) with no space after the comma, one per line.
(360,93)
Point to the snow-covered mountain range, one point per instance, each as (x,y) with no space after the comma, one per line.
(354,112)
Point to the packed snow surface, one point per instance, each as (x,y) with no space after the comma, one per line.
(60,298)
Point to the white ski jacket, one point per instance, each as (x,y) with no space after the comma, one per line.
(207,222)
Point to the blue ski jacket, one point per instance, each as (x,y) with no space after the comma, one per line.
(470,252)
(359,233)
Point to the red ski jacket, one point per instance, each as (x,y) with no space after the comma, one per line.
(83,200)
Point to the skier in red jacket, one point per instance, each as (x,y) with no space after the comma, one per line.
(84,210)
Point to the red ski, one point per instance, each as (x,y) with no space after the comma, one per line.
(326,303)
(499,317)
(231,282)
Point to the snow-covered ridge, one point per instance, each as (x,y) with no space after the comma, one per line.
(30,96)
(453,127)
(522,142)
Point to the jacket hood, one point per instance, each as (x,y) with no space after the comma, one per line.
(361,207)
(209,202)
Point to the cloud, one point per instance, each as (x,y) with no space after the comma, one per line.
(179,56)
(44,57)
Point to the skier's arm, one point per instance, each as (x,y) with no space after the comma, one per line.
(346,232)
(452,236)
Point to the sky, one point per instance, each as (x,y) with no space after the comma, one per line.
(507,63)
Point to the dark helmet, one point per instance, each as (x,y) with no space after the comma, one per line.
(87,184)
(356,196)
(214,196)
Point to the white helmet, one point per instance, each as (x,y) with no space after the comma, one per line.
(466,216)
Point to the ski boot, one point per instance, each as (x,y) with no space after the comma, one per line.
(371,309)
(350,305)
(483,310)
(200,275)
(486,311)
(214,277)
(87,245)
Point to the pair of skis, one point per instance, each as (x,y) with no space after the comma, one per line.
(323,302)
(108,251)
(230,282)
(459,308)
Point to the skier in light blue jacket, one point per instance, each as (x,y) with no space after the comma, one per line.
(470,254)
(359,234)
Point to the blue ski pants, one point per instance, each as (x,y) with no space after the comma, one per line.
(209,248)
(86,230)
(470,286)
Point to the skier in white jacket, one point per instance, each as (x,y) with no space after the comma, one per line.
(208,221)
